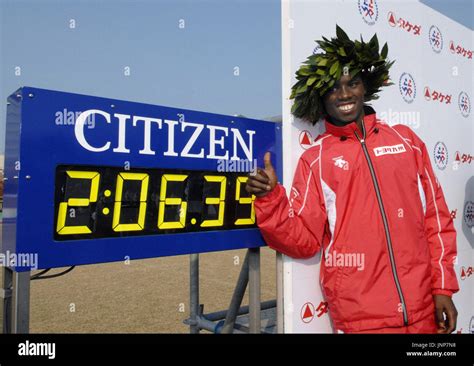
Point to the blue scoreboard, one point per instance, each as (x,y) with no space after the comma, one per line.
(93,180)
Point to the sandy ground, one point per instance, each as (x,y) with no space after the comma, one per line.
(141,297)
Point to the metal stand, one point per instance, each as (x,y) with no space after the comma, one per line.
(254,290)
(237,297)
(7,300)
(16,301)
(249,275)
(194,293)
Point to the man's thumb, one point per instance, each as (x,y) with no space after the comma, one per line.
(267,161)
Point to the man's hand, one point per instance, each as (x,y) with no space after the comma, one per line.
(444,306)
(262,182)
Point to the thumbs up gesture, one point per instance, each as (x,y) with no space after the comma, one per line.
(262,182)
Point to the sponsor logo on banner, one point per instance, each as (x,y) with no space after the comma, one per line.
(460,158)
(437,96)
(392,19)
(436,39)
(369,11)
(469,214)
(466,272)
(440,155)
(460,50)
(395,149)
(200,132)
(322,309)
(403,24)
(307,313)
(305,139)
(464,104)
(407,87)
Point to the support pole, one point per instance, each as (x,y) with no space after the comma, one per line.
(7,285)
(254,291)
(237,297)
(21,302)
(194,293)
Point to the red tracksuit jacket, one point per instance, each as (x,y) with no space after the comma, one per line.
(372,200)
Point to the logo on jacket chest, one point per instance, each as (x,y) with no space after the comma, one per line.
(394,149)
(341,163)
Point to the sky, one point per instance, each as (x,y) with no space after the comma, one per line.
(461,11)
(226,58)
(219,56)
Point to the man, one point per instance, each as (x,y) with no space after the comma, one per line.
(364,190)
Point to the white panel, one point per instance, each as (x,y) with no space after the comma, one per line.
(444,72)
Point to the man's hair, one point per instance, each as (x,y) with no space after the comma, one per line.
(320,71)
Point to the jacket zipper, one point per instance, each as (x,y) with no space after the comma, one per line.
(385,224)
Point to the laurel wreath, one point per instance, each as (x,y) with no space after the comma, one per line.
(319,72)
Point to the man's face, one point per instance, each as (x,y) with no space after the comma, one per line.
(344,102)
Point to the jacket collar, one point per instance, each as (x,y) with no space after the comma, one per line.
(349,130)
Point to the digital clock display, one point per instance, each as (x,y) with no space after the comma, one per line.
(98,202)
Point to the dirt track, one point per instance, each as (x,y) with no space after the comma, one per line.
(144,296)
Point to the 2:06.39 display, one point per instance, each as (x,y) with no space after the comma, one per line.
(98,202)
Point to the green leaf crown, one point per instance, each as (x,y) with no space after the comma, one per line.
(320,71)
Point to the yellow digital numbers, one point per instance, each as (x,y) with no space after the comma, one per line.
(110,202)
(61,227)
(168,201)
(139,225)
(244,201)
(216,201)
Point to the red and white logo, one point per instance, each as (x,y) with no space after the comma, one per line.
(403,24)
(294,194)
(392,19)
(464,104)
(460,50)
(466,272)
(322,308)
(307,312)
(440,155)
(461,158)
(305,139)
(407,87)
(341,163)
(369,11)
(384,150)
(436,39)
(435,95)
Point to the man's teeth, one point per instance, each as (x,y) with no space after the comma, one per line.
(346,107)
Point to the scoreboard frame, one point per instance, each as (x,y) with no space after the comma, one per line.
(124,134)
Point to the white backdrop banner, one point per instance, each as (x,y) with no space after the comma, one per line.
(432,94)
